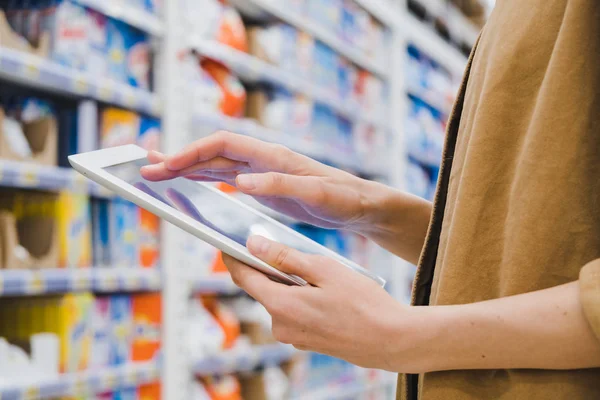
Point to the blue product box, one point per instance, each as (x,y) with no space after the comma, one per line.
(97,63)
(150,133)
(126,394)
(137,45)
(121,322)
(101,232)
(116,50)
(124,225)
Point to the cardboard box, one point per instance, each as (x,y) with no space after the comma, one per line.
(11,40)
(42,136)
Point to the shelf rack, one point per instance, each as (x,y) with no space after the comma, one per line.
(134,16)
(38,73)
(83,384)
(243,360)
(14,282)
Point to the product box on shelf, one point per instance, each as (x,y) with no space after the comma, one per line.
(97,59)
(304,57)
(215,20)
(74,316)
(12,39)
(121,328)
(67,23)
(35,141)
(118,127)
(65,319)
(325,68)
(147,323)
(233,93)
(271,383)
(328,13)
(61,224)
(226,387)
(101,333)
(275,44)
(226,319)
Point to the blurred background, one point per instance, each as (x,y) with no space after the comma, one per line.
(98,299)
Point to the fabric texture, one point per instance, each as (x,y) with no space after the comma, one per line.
(518,202)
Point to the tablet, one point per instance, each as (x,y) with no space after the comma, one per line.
(200,209)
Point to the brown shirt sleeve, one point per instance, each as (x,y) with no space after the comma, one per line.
(589,283)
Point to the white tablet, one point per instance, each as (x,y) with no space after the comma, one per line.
(200,209)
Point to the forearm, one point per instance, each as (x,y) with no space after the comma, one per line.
(545,329)
(395,220)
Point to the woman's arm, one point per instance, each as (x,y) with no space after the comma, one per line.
(546,329)
(346,315)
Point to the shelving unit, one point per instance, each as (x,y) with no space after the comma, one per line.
(244,360)
(97,279)
(38,73)
(28,175)
(251,69)
(177,370)
(131,15)
(83,384)
(263,9)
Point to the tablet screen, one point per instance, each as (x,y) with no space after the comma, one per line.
(217,211)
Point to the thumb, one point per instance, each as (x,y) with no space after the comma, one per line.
(286,259)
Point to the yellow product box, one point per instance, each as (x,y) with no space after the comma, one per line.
(75,233)
(118,127)
(74,329)
(55,229)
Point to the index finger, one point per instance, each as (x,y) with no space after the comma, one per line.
(233,146)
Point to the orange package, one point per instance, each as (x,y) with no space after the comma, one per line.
(149,246)
(232,31)
(147,321)
(233,102)
(223,388)
(226,319)
(150,391)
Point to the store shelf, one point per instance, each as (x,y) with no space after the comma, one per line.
(434,46)
(384,10)
(220,284)
(39,73)
(434,101)
(348,390)
(83,385)
(286,14)
(243,360)
(131,15)
(251,69)
(314,150)
(100,280)
(33,176)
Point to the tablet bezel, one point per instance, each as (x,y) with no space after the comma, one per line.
(93,164)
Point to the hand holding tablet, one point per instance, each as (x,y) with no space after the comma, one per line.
(199,209)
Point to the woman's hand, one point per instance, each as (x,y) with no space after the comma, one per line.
(276,176)
(302,188)
(343,313)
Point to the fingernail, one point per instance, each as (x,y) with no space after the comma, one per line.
(258,245)
(246,182)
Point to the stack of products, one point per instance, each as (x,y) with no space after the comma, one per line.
(213,88)
(80,38)
(79,332)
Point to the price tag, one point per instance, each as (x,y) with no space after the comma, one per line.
(30,178)
(80,85)
(129,99)
(130,378)
(80,388)
(36,284)
(81,282)
(109,282)
(31,70)
(105,92)
(109,380)
(155,106)
(133,282)
(152,375)
(32,393)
